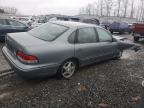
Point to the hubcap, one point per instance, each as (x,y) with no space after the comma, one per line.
(68,69)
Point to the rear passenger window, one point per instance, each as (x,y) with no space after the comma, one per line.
(87,35)
(3,22)
(104,36)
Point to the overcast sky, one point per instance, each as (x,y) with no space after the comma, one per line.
(68,7)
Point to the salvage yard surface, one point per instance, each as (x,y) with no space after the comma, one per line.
(110,84)
(3,64)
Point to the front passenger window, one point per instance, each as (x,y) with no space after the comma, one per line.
(71,38)
(104,36)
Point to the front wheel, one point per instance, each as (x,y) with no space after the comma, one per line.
(67,69)
(119,55)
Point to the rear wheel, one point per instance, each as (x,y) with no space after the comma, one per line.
(67,69)
(136,39)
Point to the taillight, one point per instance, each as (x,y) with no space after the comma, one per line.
(31,59)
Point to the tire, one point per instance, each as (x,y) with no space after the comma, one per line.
(136,39)
(67,69)
(119,55)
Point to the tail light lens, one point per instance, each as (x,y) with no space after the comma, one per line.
(30,59)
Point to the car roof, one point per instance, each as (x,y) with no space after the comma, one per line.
(72,24)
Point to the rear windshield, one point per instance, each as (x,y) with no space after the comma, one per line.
(48,31)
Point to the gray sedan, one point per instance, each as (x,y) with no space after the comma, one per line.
(60,48)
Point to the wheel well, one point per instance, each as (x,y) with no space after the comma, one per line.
(76,60)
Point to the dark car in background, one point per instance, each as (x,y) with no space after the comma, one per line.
(11,26)
(138,31)
(120,27)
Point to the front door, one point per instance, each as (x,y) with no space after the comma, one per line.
(108,47)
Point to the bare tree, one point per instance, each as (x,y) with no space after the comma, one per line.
(101,7)
(1,11)
(119,7)
(109,4)
(82,10)
(141,16)
(88,9)
(125,4)
(97,8)
(142,13)
(116,8)
(132,9)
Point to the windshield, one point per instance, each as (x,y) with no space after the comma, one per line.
(48,31)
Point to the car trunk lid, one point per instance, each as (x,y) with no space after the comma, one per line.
(20,41)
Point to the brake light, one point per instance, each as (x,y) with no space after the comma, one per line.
(31,59)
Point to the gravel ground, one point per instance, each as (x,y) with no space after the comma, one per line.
(3,64)
(110,84)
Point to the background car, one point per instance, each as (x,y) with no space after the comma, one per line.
(138,31)
(26,20)
(120,27)
(60,48)
(11,26)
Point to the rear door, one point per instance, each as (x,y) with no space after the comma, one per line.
(87,46)
(17,26)
(108,48)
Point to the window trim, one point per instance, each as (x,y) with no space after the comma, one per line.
(106,32)
(75,31)
(77,34)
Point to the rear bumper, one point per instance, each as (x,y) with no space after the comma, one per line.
(138,35)
(116,30)
(29,71)
(121,30)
